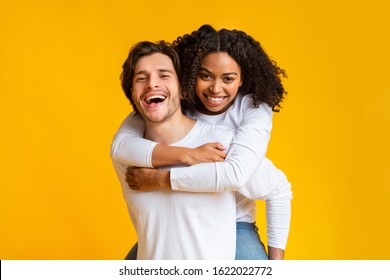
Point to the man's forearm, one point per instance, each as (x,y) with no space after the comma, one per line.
(147,179)
(164,180)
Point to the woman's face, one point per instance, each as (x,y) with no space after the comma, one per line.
(217,84)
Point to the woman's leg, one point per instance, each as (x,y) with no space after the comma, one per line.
(132,255)
(248,243)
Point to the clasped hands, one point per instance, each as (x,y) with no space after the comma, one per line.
(149,179)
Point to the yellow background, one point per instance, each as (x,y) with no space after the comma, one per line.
(61,103)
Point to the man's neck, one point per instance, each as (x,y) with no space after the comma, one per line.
(169,131)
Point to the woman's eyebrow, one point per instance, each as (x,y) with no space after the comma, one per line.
(225,74)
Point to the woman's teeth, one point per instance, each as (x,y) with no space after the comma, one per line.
(215,99)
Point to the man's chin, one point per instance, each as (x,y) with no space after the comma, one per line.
(154,118)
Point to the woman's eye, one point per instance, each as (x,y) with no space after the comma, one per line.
(229,79)
(205,76)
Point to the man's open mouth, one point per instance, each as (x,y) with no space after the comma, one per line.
(155,99)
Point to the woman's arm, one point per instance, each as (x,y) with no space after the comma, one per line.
(246,153)
(129,147)
(244,158)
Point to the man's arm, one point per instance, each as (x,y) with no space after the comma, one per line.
(147,179)
(275,253)
(278,212)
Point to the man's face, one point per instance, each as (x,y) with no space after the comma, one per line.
(156,90)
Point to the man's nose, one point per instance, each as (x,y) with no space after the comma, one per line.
(153,82)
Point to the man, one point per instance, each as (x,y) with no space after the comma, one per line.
(173,225)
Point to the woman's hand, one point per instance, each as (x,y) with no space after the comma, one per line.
(210,152)
(147,179)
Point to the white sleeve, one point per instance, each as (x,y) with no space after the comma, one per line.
(129,147)
(245,155)
(278,211)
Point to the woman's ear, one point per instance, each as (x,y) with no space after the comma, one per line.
(241,79)
(182,94)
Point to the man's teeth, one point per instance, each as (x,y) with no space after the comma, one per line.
(215,99)
(155,98)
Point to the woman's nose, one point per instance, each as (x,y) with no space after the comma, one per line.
(216,87)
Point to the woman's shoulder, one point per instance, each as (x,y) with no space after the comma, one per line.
(243,105)
(213,127)
(215,132)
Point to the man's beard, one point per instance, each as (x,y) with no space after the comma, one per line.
(173,106)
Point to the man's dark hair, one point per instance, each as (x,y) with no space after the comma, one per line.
(138,51)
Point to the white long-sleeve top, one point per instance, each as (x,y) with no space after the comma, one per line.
(173,225)
(245,170)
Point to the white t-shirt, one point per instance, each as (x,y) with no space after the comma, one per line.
(245,170)
(184,225)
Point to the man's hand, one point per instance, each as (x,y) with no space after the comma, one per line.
(275,253)
(210,152)
(146,179)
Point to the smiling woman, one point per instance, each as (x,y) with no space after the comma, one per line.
(218,82)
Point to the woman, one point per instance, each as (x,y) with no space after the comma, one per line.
(227,79)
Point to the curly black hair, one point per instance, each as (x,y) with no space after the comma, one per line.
(260,75)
